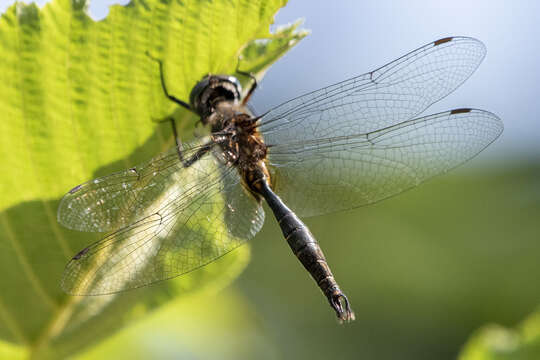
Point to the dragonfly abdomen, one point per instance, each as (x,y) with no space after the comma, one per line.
(306,248)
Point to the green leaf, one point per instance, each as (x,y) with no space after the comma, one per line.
(229,323)
(77,101)
(10,351)
(258,55)
(494,342)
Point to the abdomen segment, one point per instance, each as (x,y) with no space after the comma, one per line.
(308,251)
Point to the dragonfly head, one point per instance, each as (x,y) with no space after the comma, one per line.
(213,89)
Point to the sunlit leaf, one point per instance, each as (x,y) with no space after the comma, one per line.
(494,342)
(77,100)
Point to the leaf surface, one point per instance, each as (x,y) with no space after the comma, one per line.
(77,101)
(495,342)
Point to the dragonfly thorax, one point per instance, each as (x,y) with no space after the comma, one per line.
(242,146)
(213,89)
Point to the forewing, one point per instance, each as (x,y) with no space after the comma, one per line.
(337,173)
(117,200)
(202,214)
(389,95)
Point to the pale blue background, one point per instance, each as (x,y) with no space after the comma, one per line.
(353,37)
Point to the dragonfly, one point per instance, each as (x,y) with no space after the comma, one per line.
(346,145)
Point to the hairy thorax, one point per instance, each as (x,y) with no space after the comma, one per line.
(233,128)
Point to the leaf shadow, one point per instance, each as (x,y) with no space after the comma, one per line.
(34,251)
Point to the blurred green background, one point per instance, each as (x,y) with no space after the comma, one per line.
(423,271)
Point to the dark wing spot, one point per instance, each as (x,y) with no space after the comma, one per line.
(75,189)
(459,111)
(442,41)
(81,253)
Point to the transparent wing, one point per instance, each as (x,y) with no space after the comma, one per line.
(116,200)
(337,173)
(201,213)
(389,95)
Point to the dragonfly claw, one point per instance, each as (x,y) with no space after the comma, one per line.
(340,303)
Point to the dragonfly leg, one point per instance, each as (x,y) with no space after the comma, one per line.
(193,159)
(175,100)
(199,154)
(308,251)
(253,84)
(164,86)
(177,140)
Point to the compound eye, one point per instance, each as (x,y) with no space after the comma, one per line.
(196,92)
(212,89)
(237,86)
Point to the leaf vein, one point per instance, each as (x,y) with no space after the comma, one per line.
(66,249)
(27,268)
(11,324)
